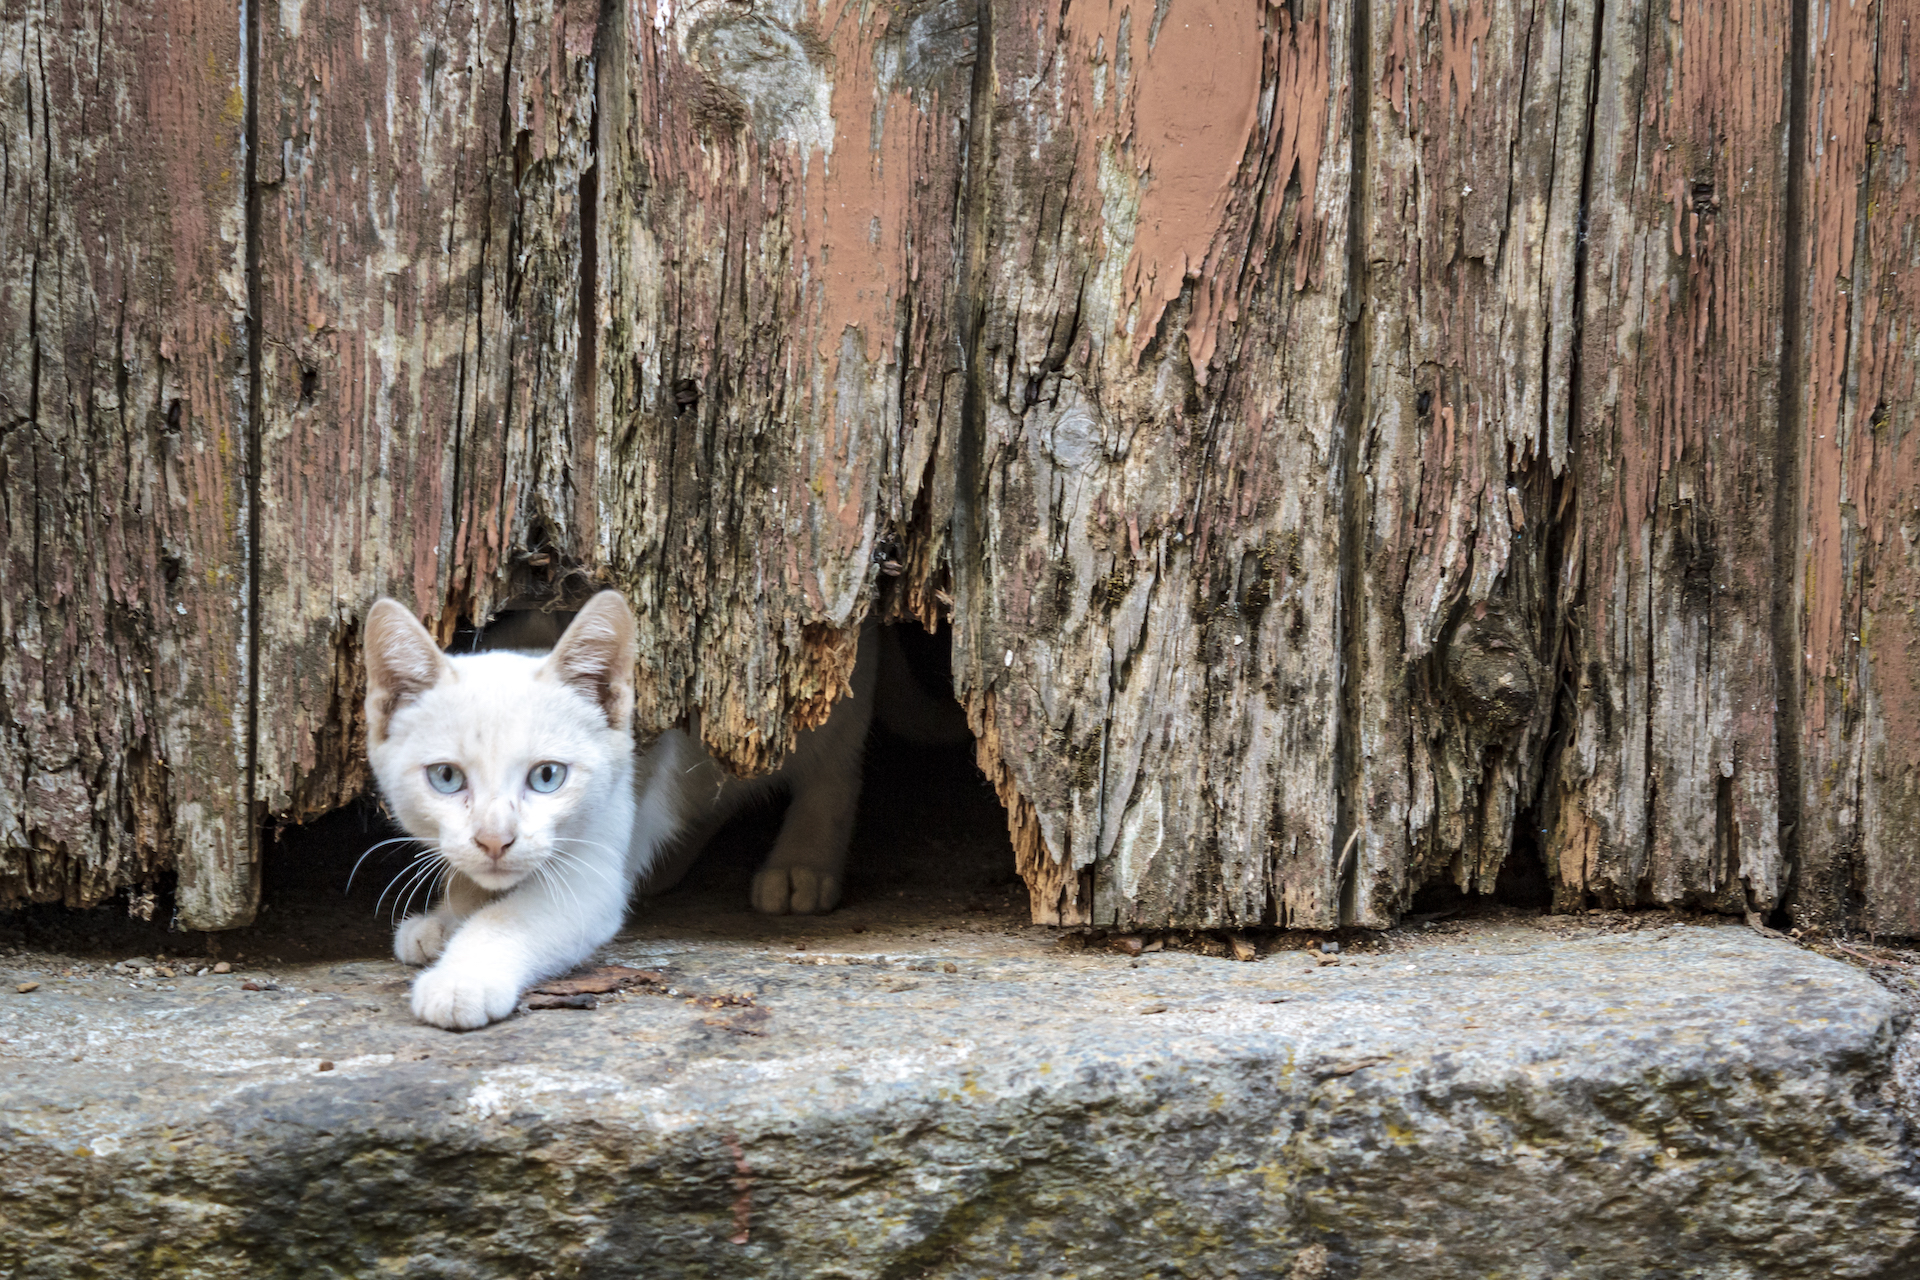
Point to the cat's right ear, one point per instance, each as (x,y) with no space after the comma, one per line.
(403,662)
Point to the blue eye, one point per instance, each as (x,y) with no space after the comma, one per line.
(446,778)
(547,776)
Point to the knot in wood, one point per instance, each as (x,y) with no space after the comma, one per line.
(1490,674)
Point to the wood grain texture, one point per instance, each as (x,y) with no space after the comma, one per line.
(778,363)
(1145,545)
(1358,449)
(1471,217)
(420,260)
(123,454)
(1857,578)
(1666,791)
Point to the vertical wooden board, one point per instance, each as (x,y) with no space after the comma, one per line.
(420,266)
(1666,787)
(778,361)
(1884,359)
(1860,802)
(1146,528)
(123,453)
(1471,215)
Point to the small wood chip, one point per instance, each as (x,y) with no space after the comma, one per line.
(579,1000)
(610,977)
(1240,948)
(1859,954)
(325,1065)
(25,987)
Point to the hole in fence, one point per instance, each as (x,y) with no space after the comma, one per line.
(1522,883)
(929,841)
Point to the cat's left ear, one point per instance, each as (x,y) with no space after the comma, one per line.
(596,656)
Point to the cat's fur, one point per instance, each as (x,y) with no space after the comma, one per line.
(535,882)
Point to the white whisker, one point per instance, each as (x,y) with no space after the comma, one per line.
(422,868)
(556,885)
(425,856)
(375,849)
(596,844)
(618,855)
(432,885)
(568,859)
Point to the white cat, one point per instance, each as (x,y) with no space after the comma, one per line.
(517,771)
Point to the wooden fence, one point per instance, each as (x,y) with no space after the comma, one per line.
(1350,442)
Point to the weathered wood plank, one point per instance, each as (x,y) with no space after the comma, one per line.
(1857,575)
(1471,217)
(123,455)
(1666,789)
(421,257)
(777,355)
(1148,485)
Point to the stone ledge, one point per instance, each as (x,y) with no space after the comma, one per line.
(1692,1102)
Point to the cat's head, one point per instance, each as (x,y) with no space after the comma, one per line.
(494,759)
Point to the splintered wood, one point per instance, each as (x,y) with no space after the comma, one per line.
(1357,446)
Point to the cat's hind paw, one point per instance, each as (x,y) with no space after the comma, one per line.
(420,939)
(461,999)
(800,891)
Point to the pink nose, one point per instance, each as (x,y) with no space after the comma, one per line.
(495,845)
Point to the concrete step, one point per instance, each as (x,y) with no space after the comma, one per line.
(1514,1098)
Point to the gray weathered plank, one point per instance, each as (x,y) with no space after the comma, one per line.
(1856,573)
(124,681)
(1471,217)
(420,260)
(1666,790)
(1147,514)
(776,359)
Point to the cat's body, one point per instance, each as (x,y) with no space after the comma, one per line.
(518,771)
(822,774)
(802,874)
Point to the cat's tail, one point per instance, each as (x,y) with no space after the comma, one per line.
(904,704)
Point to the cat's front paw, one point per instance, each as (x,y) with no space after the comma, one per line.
(800,891)
(463,997)
(420,939)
